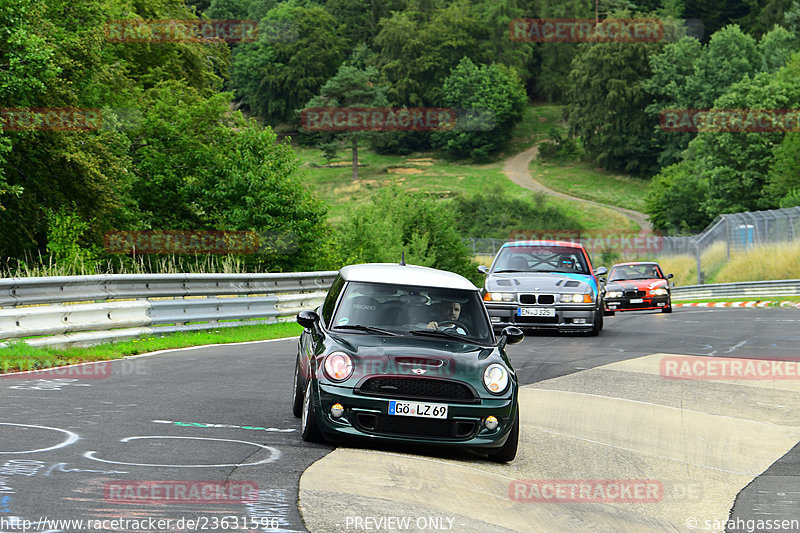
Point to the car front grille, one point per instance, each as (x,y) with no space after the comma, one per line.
(634,294)
(408,426)
(418,388)
(543,299)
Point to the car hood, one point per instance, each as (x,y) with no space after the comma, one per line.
(636,284)
(547,282)
(417,356)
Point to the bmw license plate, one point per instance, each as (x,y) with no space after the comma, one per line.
(536,311)
(637,300)
(424,410)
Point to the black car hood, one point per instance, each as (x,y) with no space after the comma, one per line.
(377,354)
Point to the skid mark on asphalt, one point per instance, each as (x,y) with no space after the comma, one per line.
(703,441)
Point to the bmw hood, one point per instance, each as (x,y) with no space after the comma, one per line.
(550,282)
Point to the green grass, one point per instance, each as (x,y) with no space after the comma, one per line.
(585,181)
(442,178)
(536,122)
(20,356)
(776,299)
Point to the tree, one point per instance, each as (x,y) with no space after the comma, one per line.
(275,78)
(729,56)
(669,84)
(784,173)
(352,86)
(492,98)
(736,163)
(396,222)
(675,198)
(417,49)
(776,47)
(606,105)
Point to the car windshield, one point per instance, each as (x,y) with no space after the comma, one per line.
(401,309)
(643,271)
(540,259)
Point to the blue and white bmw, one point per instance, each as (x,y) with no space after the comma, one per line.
(544,284)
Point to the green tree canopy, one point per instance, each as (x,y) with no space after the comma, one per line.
(396,222)
(606,106)
(492,99)
(274,78)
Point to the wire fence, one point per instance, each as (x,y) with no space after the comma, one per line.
(738,231)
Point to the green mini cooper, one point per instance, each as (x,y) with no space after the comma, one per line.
(401,353)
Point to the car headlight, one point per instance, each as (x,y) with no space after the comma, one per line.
(614,294)
(661,291)
(495,378)
(576,298)
(338,366)
(499,297)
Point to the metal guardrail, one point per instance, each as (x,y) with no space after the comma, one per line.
(84,310)
(745,289)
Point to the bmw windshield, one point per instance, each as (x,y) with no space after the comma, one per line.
(540,259)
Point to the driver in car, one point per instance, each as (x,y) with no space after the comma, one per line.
(449,312)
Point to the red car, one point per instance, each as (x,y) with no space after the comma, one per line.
(637,286)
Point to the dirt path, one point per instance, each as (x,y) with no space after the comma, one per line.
(517,170)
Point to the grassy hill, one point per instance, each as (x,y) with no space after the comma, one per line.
(432,174)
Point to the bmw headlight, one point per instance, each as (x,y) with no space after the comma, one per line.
(499,297)
(495,378)
(338,366)
(661,291)
(614,294)
(576,299)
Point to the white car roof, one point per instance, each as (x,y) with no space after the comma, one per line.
(413,275)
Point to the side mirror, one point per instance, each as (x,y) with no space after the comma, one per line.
(308,319)
(602,280)
(483,269)
(669,276)
(599,271)
(511,335)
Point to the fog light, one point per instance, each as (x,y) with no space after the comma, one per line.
(337,410)
(490,423)
(494,319)
(579,320)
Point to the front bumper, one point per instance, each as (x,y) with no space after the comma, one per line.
(647,302)
(567,316)
(366,417)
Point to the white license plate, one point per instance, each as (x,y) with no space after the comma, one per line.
(536,311)
(637,300)
(424,410)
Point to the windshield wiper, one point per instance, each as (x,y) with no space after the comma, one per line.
(441,333)
(368,329)
(502,271)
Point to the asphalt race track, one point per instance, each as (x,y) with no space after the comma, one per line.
(594,410)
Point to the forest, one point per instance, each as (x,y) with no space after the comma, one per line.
(193,132)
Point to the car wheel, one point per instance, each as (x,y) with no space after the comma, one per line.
(508,451)
(308,422)
(297,397)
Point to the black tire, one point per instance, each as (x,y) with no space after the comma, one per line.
(308,423)
(667,308)
(297,396)
(597,326)
(508,451)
